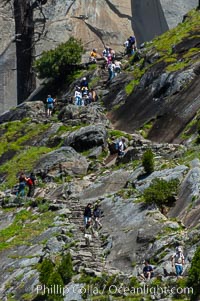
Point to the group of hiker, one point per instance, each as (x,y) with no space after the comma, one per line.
(130,45)
(24,182)
(111,63)
(92,222)
(84,96)
(92,216)
(177,261)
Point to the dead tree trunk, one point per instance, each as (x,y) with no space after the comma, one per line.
(24,30)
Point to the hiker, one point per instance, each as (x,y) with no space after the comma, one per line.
(131,43)
(22,185)
(50,102)
(93,95)
(78,96)
(87,213)
(31,182)
(178,261)
(111,71)
(93,56)
(112,53)
(126,44)
(133,49)
(84,83)
(84,91)
(121,147)
(88,233)
(106,52)
(97,216)
(117,67)
(147,271)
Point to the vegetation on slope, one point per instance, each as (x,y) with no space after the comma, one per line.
(59,61)
(165,48)
(17,149)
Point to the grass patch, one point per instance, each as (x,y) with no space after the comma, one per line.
(146,128)
(92,67)
(24,228)
(130,86)
(177,66)
(114,134)
(26,159)
(68,128)
(94,81)
(16,133)
(163,44)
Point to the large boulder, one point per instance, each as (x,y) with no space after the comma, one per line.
(30,109)
(75,115)
(87,138)
(66,160)
(105,185)
(132,229)
(187,207)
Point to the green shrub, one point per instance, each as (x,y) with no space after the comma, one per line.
(46,269)
(161,192)
(55,280)
(50,277)
(148,161)
(65,268)
(194,276)
(59,61)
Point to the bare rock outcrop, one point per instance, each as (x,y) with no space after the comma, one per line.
(87,137)
(64,159)
(27,109)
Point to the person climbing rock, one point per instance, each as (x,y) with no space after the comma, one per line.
(97,216)
(117,67)
(84,83)
(111,71)
(78,96)
(147,271)
(178,261)
(87,213)
(22,184)
(31,182)
(50,105)
(88,233)
(121,147)
(93,56)
(93,95)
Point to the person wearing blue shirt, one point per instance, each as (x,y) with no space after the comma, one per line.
(147,270)
(50,102)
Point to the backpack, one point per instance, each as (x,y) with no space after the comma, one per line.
(22,185)
(49,100)
(117,145)
(97,213)
(178,257)
(29,182)
(33,178)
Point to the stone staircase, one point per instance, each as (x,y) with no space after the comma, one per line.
(90,259)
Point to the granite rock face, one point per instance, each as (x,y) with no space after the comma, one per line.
(97,23)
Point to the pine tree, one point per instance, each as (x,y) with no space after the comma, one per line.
(194,276)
